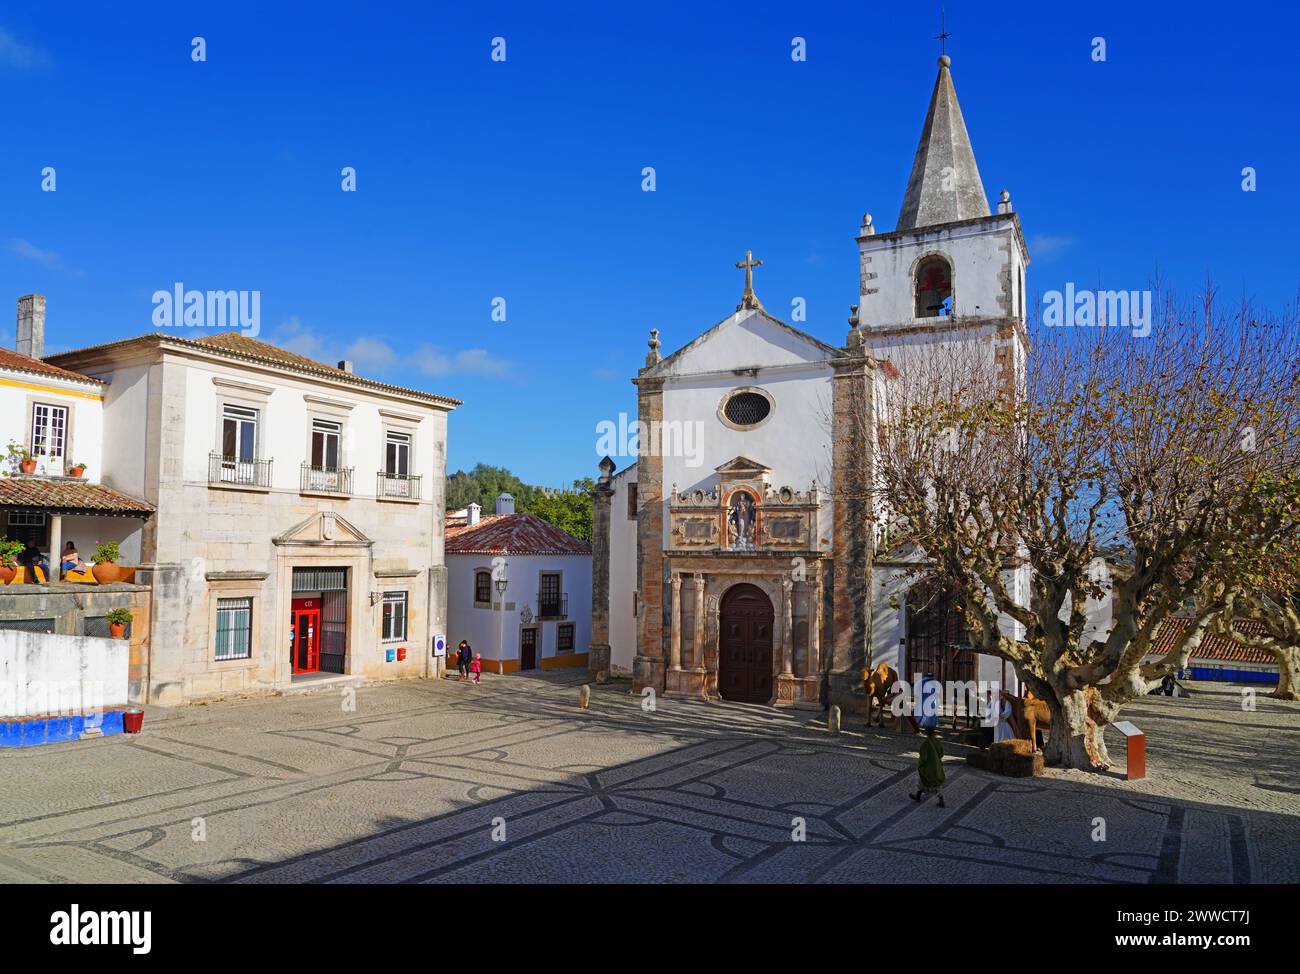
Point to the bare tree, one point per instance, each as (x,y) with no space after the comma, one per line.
(1117,471)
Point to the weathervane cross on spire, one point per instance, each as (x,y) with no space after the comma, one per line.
(750,299)
(943,35)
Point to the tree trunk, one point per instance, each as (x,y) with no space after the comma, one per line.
(1288,667)
(1076,737)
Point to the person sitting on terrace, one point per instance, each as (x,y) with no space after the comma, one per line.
(70,560)
(32,559)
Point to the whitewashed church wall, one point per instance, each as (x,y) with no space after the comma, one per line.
(747,340)
(794,442)
(888,616)
(910,353)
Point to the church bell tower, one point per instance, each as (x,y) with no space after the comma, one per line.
(950,271)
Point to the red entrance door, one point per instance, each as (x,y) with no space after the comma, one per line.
(304,640)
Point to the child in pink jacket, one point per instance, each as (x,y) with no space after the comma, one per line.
(476,667)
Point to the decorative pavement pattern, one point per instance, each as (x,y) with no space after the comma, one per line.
(511,782)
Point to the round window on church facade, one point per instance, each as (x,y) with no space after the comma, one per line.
(745,408)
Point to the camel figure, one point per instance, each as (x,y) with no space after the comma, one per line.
(1027,713)
(878,683)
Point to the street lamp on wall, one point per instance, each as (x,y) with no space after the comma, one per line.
(500,582)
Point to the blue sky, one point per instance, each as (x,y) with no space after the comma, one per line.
(479,179)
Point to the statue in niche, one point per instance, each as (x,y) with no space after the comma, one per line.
(742,517)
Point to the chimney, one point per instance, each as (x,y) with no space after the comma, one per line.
(472,514)
(31,326)
(345,365)
(505,504)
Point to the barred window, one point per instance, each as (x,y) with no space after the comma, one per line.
(564,637)
(394,616)
(744,409)
(482,586)
(234,629)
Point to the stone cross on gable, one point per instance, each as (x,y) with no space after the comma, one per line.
(750,299)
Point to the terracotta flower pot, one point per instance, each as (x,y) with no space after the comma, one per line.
(105,572)
(27,466)
(6,575)
(77,471)
(117,629)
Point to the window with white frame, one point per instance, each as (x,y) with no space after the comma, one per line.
(326,437)
(397,454)
(234,629)
(49,431)
(239,432)
(394,616)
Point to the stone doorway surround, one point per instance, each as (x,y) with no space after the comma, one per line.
(696,585)
(324,540)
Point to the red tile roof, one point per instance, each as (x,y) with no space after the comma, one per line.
(13,362)
(68,496)
(512,534)
(235,345)
(1213,647)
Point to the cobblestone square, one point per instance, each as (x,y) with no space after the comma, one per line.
(511,782)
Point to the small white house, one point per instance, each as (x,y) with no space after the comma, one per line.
(518,589)
(54,417)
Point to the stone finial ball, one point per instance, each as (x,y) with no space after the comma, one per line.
(944,60)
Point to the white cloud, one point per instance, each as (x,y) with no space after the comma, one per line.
(1045,246)
(294,336)
(371,353)
(23,57)
(470,361)
(29,251)
(375,356)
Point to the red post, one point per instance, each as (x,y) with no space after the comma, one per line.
(1136,746)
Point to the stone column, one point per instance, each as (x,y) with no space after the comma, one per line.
(598,651)
(815,625)
(787,627)
(648,667)
(698,651)
(56,549)
(675,637)
(853,427)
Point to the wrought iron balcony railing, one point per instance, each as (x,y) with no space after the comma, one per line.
(327,480)
(236,470)
(552,606)
(399,485)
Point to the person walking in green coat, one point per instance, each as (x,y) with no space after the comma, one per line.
(929,767)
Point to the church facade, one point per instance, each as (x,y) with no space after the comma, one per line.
(747,563)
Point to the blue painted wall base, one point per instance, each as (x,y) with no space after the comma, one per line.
(51,730)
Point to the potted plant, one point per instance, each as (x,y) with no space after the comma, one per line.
(105,557)
(21,458)
(9,552)
(117,621)
(76,470)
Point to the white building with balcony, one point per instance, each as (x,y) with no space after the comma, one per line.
(518,589)
(299,524)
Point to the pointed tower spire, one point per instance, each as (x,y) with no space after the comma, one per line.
(945,183)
